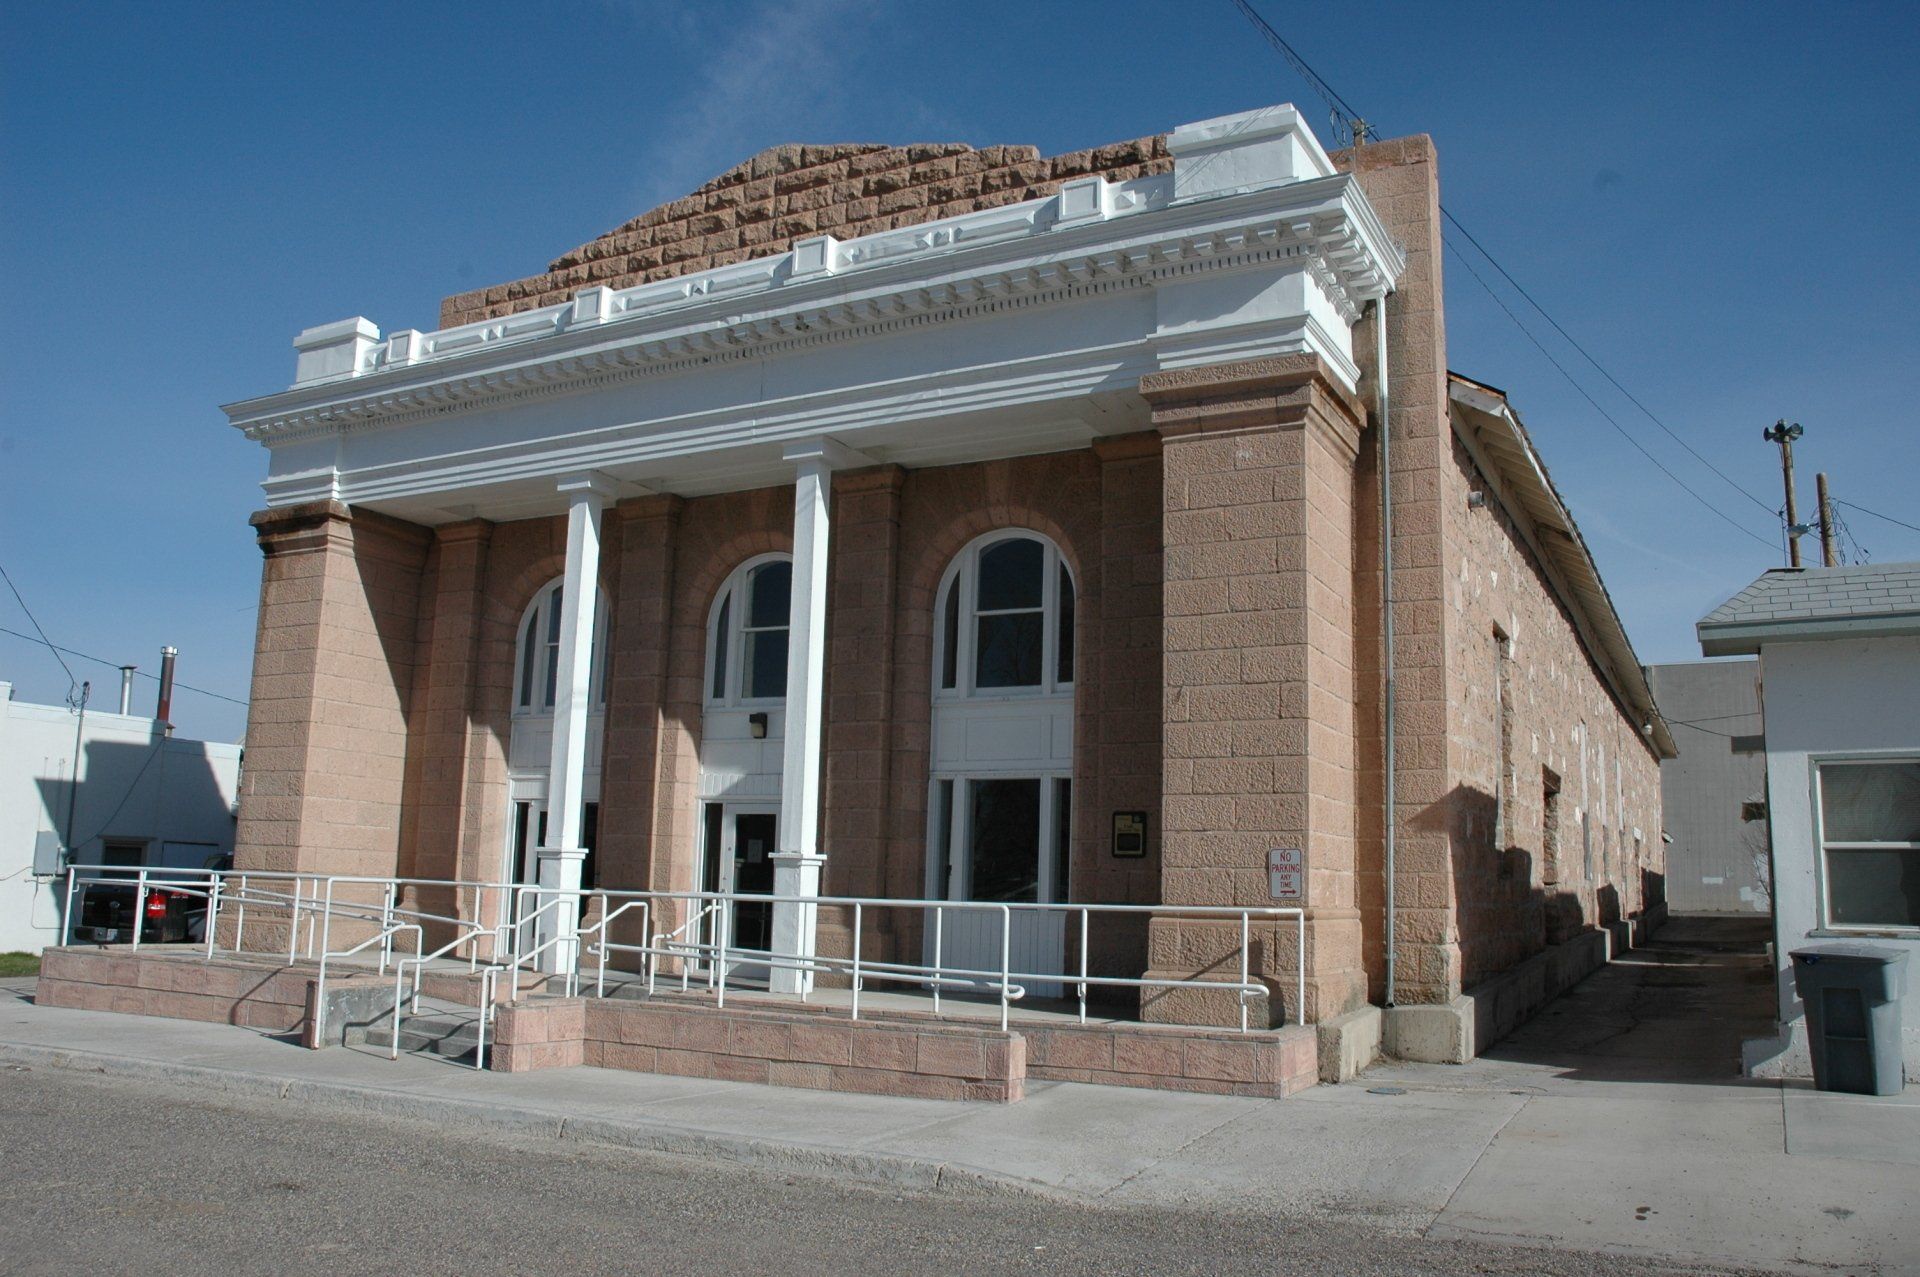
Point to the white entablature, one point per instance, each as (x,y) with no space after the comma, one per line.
(1016,329)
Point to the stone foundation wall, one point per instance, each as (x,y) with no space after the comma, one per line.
(1168,1059)
(178,985)
(745,1045)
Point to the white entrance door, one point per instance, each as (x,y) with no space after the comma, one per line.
(739,841)
(1002,839)
(527,830)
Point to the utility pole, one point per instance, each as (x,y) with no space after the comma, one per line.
(1784,435)
(1827,558)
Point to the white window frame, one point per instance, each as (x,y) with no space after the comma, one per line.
(597,684)
(958,832)
(1820,844)
(736,638)
(963,575)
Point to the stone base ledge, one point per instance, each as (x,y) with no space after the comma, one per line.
(1267,1063)
(177,982)
(769,1047)
(1457,1031)
(1349,1044)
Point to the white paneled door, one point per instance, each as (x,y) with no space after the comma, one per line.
(1001,840)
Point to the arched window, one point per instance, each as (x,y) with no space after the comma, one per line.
(1006,619)
(537,662)
(747,633)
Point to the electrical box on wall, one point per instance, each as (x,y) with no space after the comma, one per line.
(47,858)
(1129,834)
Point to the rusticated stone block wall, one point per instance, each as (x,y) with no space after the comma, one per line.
(787,193)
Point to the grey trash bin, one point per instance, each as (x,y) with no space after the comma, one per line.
(1852,996)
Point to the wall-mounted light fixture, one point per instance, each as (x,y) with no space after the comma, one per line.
(1476,500)
(757,726)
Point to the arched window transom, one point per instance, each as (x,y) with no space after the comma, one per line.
(537,660)
(747,633)
(1006,612)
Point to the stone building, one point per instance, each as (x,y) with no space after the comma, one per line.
(924,522)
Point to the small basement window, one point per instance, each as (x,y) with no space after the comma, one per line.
(1870,842)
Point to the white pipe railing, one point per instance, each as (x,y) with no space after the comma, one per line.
(489,975)
(320,984)
(704,938)
(605,943)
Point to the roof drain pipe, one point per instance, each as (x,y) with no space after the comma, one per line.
(1389,800)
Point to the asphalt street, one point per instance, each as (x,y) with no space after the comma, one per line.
(110,1175)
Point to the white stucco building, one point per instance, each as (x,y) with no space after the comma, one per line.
(138,797)
(1713,791)
(1839,653)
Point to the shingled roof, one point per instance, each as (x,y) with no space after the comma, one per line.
(785,193)
(1855,601)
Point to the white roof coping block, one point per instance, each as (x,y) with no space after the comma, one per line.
(1232,153)
(339,349)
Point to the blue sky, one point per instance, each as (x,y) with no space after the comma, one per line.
(1716,199)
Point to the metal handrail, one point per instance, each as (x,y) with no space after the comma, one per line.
(600,949)
(670,946)
(320,986)
(489,974)
(522,920)
(314,895)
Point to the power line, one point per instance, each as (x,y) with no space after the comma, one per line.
(1876,514)
(1346,115)
(72,682)
(100,660)
(1343,114)
(1604,414)
(1585,354)
(1860,552)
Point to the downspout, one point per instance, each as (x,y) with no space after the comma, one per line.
(1382,413)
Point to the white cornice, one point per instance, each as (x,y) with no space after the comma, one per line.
(1092,237)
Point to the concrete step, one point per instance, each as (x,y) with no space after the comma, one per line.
(453,1035)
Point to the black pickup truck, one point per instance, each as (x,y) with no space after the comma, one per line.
(175,910)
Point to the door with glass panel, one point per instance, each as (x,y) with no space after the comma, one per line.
(528,833)
(999,825)
(738,842)
(1002,840)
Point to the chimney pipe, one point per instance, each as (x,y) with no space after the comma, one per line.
(164,713)
(126,688)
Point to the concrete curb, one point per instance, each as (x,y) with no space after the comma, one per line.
(883,1170)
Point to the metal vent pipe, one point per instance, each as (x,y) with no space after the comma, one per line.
(126,688)
(164,712)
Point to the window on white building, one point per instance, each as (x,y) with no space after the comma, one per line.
(747,636)
(537,662)
(1870,842)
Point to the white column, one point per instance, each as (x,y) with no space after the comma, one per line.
(797,864)
(561,853)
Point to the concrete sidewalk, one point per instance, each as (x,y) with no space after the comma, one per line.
(1609,1124)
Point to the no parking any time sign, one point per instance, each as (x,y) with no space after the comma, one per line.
(1286,873)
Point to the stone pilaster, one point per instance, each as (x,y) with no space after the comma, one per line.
(327,728)
(449,645)
(642,615)
(1257,532)
(1401,178)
